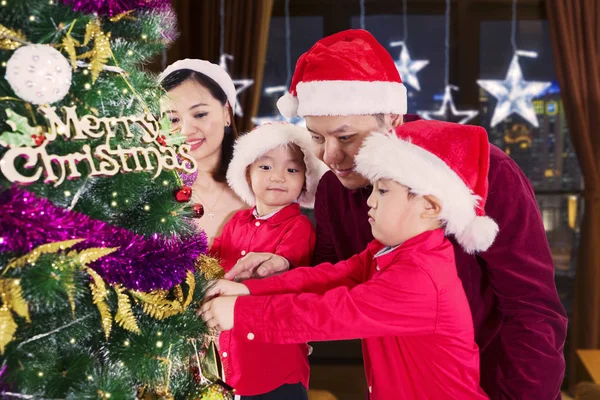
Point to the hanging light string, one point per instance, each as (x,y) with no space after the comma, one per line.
(405,21)
(447,46)
(222,17)
(362,14)
(288,44)
(513,30)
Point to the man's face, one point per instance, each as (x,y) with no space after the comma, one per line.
(337,140)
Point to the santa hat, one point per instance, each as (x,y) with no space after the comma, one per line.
(446,160)
(213,71)
(348,73)
(262,139)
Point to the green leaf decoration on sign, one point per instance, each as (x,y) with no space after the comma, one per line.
(22,134)
(172,137)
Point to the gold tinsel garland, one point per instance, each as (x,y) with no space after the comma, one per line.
(158,304)
(209,267)
(10,39)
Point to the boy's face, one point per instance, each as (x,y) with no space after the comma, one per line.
(277,178)
(395,216)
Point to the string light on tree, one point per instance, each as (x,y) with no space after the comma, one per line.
(448,111)
(514,95)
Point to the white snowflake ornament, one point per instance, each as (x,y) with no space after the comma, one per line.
(39,74)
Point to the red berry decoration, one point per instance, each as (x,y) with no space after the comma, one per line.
(198,210)
(184,194)
(162,140)
(39,139)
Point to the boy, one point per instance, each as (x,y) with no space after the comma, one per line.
(401,295)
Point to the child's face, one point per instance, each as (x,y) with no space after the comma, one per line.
(395,216)
(277,178)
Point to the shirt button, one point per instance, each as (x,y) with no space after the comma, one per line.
(250,336)
(370,389)
(224,354)
(377,268)
(243,252)
(257,223)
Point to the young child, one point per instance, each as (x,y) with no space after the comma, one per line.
(274,170)
(401,295)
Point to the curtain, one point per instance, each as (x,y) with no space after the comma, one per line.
(575,32)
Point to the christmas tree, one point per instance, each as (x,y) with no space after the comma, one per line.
(100,263)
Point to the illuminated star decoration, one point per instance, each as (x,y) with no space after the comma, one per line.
(514,94)
(296,120)
(448,111)
(240,84)
(408,68)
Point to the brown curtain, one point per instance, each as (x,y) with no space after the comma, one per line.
(246,36)
(575,32)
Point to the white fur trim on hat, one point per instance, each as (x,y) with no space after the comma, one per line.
(389,157)
(213,71)
(478,235)
(251,146)
(345,98)
(288,105)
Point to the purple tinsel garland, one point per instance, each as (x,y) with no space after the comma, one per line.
(115,7)
(140,263)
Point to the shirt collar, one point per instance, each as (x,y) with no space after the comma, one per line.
(386,250)
(263,217)
(277,217)
(387,255)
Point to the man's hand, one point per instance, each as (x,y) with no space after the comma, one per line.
(223,287)
(259,265)
(218,313)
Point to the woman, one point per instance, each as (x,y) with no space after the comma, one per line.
(199,101)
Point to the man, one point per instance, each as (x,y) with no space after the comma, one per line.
(347,86)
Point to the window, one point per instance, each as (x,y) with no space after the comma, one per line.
(544,153)
(425,42)
(305,31)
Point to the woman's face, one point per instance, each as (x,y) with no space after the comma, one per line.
(199,116)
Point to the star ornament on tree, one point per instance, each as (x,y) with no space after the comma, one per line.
(448,111)
(514,94)
(240,84)
(407,67)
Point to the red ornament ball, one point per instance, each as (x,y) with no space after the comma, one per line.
(198,210)
(184,194)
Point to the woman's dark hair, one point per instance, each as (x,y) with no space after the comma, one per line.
(175,79)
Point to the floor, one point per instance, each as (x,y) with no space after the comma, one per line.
(345,382)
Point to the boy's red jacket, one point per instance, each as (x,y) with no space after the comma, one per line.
(408,306)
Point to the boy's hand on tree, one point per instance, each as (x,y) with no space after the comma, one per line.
(223,287)
(218,313)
